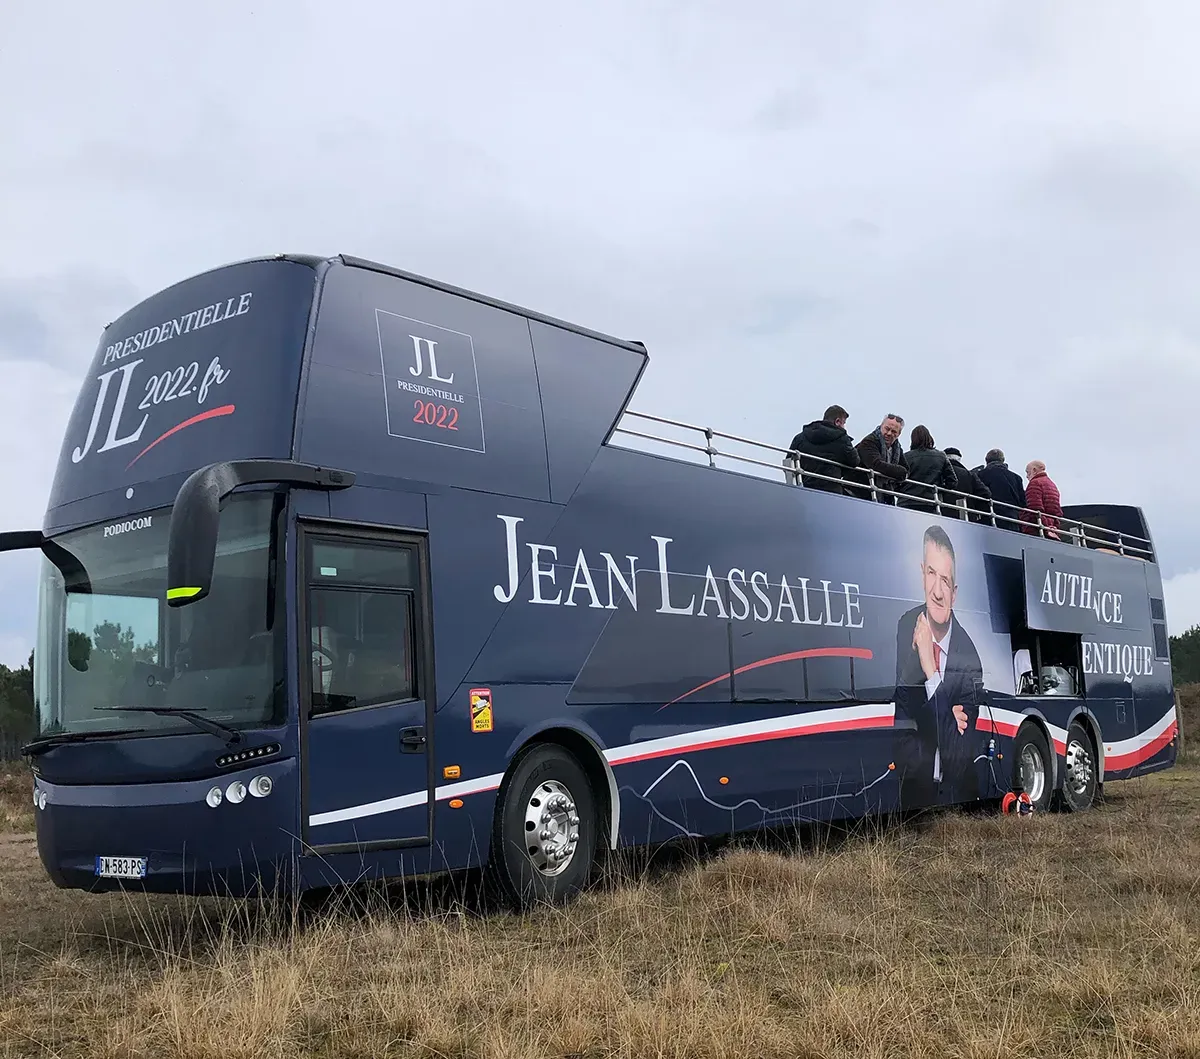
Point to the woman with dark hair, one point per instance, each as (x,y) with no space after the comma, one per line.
(928,466)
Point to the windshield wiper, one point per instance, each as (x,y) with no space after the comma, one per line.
(38,746)
(232,735)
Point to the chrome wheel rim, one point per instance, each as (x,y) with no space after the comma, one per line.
(1033,772)
(1079,767)
(551,828)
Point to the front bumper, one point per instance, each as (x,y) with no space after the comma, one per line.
(234,849)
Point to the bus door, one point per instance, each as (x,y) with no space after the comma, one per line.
(367,694)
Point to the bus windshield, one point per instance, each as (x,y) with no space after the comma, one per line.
(106,637)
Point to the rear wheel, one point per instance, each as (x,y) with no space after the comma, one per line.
(544,834)
(1031,766)
(1080,776)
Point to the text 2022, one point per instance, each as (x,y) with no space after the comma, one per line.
(435,415)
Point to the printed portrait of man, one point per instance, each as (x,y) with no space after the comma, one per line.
(939,685)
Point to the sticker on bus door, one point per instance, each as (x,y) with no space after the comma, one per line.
(481,709)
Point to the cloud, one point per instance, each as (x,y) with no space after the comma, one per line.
(57,318)
(982,218)
(1182,598)
(788,109)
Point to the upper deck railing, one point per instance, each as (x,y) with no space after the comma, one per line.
(867,484)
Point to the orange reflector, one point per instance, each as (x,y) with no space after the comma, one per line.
(724,779)
(456,803)
(451,772)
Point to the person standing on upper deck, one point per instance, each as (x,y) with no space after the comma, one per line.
(1008,491)
(826,439)
(1041,496)
(880,451)
(970,483)
(928,468)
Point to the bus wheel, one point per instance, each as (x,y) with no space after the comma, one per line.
(1031,766)
(544,835)
(1079,778)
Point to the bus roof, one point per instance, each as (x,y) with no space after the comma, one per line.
(495,303)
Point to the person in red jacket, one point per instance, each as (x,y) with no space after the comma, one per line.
(1041,495)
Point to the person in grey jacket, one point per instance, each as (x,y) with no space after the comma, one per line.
(928,466)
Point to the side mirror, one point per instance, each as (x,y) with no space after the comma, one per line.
(74,574)
(196,515)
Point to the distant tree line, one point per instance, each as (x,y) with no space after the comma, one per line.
(110,647)
(113,646)
(1185,656)
(16,700)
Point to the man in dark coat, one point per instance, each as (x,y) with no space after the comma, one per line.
(970,483)
(880,451)
(939,689)
(1008,491)
(825,439)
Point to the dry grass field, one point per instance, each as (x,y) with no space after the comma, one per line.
(964,935)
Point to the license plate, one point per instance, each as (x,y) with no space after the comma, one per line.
(121,867)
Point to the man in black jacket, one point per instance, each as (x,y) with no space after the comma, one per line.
(825,439)
(1008,491)
(970,483)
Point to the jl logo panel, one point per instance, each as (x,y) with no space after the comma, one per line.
(481,710)
(431,383)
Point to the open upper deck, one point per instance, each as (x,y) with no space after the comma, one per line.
(1108,528)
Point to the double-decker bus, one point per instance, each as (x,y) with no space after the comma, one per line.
(347,574)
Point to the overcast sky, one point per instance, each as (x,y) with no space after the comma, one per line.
(982,215)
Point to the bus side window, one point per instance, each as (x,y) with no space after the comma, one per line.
(361,614)
(382,667)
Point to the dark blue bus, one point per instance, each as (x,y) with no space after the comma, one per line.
(352,574)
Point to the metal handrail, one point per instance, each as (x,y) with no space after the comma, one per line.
(964,505)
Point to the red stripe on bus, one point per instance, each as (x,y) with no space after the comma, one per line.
(1010,730)
(1113,762)
(791,656)
(882,721)
(212,413)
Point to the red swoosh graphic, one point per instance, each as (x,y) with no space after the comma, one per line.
(791,656)
(1112,762)
(1116,762)
(212,413)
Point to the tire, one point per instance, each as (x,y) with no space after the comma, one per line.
(1080,777)
(523,869)
(1032,767)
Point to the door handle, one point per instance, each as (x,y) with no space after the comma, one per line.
(411,740)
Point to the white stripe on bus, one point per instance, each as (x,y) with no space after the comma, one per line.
(1122,754)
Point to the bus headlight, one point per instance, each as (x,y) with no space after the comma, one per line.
(214,797)
(236,792)
(260,786)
